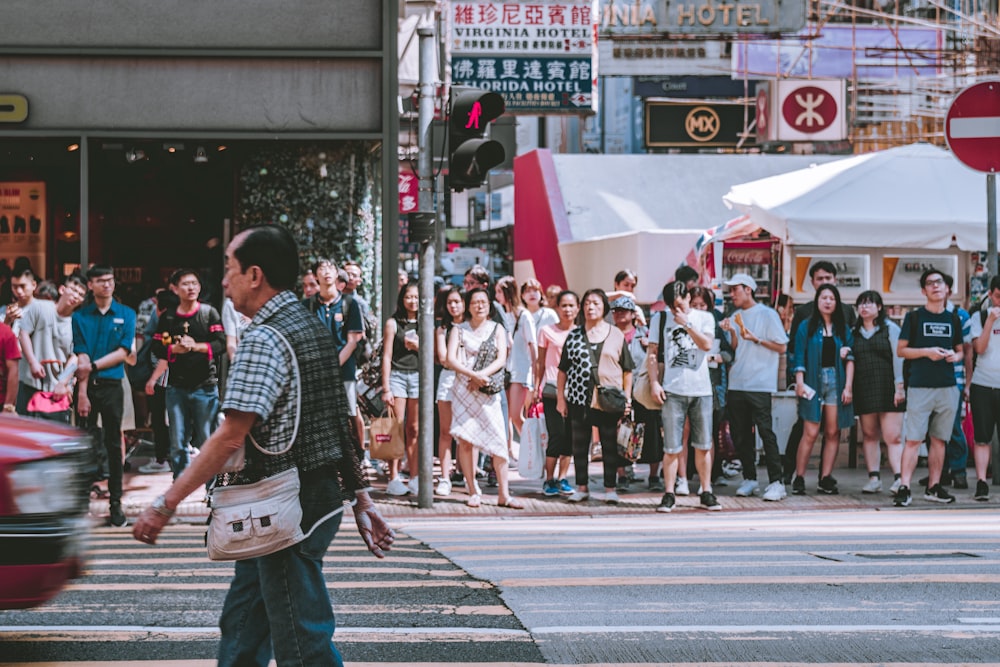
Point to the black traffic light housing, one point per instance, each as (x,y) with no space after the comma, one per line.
(470,154)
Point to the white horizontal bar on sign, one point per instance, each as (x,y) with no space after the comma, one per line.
(984,127)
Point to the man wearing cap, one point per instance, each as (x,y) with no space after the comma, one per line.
(759,339)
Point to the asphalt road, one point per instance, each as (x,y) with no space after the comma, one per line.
(831,588)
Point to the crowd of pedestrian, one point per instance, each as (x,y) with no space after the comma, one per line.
(708,380)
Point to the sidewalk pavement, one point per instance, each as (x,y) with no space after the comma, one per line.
(141,489)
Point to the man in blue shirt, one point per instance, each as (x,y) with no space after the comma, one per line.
(103,336)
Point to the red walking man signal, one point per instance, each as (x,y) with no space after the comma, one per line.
(474,113)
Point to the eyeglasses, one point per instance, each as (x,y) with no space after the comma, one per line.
(104,281)
(934,283)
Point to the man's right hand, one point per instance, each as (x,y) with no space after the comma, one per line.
(13,314)
(374,530)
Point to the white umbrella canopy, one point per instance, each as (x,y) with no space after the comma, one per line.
(916,196)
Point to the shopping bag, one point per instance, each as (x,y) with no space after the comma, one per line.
(534,442)
(387,439)
(630,438)
(967,427)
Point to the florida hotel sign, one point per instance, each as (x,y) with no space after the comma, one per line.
(701,17)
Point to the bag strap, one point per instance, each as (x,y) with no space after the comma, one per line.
(663,327)
(298,396)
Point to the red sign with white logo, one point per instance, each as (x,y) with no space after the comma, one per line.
(972,126)
(409,191)
(809,109)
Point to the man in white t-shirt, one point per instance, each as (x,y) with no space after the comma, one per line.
(984,389)
(685,390)
(759,339)
(46,337)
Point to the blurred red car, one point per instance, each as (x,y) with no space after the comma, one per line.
(45,472)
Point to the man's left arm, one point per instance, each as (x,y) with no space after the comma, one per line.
(12,380)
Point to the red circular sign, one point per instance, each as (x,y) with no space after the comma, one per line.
(762,113)
(972,126)
(809,109)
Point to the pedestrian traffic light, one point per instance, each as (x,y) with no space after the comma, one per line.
(471,155)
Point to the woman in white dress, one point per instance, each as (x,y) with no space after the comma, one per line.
(450,312)
(476,417)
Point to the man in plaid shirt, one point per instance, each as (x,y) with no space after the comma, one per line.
(279,604)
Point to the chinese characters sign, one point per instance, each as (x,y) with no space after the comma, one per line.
(536,53)
(409,190)
(529,85)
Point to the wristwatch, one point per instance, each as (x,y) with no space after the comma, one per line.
(160,507)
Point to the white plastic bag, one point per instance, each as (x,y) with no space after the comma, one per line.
(534,441)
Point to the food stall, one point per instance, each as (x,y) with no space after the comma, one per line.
(881,218)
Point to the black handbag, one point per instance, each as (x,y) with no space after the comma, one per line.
(487,355)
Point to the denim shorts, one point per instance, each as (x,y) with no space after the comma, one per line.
(678,408)
(828,394)
(404,384)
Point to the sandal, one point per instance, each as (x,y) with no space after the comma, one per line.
(511,503)
(475,500)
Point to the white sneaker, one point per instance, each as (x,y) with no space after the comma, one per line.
(874,485)
(396,487)
(153,467)
(775,491)
(681,487)
(443,488)
(414,485)
(578,496)
(611,498)
(748,488)
(895,486)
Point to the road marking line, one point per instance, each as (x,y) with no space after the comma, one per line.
(747,629)
(988,620)
(101,632)
(209,572)
(751,580)
(341,585)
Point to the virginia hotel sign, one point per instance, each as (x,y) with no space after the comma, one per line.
(701,17)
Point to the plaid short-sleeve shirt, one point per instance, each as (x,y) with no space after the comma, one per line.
(260,380)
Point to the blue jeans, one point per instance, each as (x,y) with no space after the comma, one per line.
(280,602)
(192,414)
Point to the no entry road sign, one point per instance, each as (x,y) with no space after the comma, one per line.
(972,126)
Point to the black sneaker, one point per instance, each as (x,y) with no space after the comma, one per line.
(828,485)
(798,486)
(982,491)
(902,497)
(709,501)
(959,480)
(667,503)
(623,483)
(117,518)
(937,494)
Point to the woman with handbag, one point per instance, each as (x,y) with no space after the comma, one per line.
(400,371)
(595,390)
(824,380)
(477,351)
(449,310)
(551,339)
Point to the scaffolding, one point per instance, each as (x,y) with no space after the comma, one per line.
(911,106)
